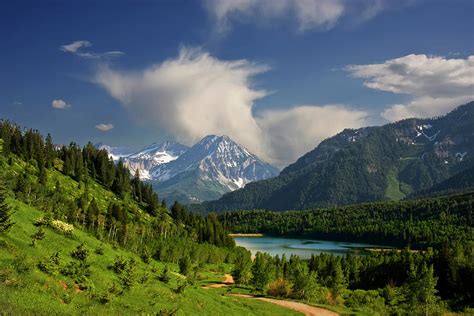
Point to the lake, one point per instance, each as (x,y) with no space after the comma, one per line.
(303,248)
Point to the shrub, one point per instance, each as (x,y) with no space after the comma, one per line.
(81,253)
(164,276)
(184,265)
(365,299)
(62,227)
(52,265)
(181,287)
(38,235)
(279,288)
(23,264)
(146,255)
(119,265)
(99,250)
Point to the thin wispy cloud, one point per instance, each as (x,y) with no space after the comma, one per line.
(77,48)
(435,84)
(196,94)
(104,127)
(60,104)
(308,15)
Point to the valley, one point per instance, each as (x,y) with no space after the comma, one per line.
(237,157)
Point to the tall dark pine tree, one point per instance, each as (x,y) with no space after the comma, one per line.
(5,211)
(49,151)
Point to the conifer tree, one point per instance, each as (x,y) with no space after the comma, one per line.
(5,211)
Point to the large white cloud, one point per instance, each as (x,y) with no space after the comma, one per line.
(292,132)
(435,84)
(309,14)
(196,94)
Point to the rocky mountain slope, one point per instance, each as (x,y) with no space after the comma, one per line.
(215,165)
(367,164)
(212,167)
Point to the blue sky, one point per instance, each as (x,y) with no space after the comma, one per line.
(276,75)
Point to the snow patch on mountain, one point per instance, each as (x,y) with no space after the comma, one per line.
(220,159)
(116,153)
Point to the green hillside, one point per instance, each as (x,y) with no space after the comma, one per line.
(27,287)
(81,245)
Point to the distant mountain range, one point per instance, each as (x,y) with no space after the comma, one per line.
(210,168)
(388,162)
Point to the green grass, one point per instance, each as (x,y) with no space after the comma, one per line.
(36,292)
(393,191)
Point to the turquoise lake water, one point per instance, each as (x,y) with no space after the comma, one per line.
(303,248)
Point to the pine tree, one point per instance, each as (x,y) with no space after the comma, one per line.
(423,291)
(5,211)
(49,151)
(42,176)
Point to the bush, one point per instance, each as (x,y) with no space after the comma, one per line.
(23,264)
(146,255)
(62,227)
(119,265)
(52,265)
(164,276)
(181,287)
(81,253)
(99,250)
(370,300)
(279,288)
(184,265)
(38,235)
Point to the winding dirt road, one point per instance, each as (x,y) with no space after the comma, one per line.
(307,310)
(303,308)
(228,280)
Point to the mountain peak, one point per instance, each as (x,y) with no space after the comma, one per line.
(213,166)
(218,161)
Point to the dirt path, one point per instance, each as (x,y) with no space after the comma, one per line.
(228,280)
(307,310)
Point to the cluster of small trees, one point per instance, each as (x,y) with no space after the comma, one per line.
(391,282)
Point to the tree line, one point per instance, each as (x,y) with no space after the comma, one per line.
(417,223)
(132,217)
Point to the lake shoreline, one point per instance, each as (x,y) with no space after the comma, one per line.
(304,248)
(246,235)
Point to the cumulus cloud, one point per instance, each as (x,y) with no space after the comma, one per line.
(76,48)
(104,127)
(309,14)
(435,84)
(196,94)
(60,104)
(292,132)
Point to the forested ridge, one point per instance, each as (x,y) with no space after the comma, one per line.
(389,162)
(419,223)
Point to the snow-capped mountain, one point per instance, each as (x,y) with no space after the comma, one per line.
(212,167)
(152,156)
(115,152)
